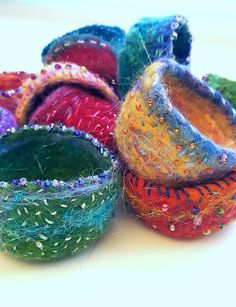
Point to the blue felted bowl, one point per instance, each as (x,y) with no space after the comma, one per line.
(58,190)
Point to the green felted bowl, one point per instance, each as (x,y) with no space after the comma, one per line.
(58,190)
(223,85)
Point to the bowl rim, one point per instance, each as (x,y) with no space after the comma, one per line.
(104,178)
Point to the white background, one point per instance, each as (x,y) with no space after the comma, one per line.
(132,265)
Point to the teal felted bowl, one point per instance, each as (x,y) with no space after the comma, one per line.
(150,39)
(58,190)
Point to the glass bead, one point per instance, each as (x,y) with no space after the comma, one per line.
(197,221)
(206,232)
(195,210)
(174,36)
(220,211)
(179,147)
(55,183)
(174,25)
(164,207)
(23,181)
(57,66)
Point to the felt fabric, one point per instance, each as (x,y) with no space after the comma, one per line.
(8,103)
(9,86)
(223,85)
(95,47)
(10,81)
(188,212)
(150,39)
(7,120)
(79,108)
(58,190)
(174,130)
(69,94)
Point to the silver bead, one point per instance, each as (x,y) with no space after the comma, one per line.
(62,183)
(36,127)
(23,181)
(180,19)
(3,184)
(55,183)
(174,36)
(174,25)
(63,128)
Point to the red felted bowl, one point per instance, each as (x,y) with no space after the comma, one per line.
(186,212)
(71,95)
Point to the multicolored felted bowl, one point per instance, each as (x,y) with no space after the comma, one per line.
(150,39)
(223,85)
(69,94)
(174,130)
(9,86)
(187,212)
(58,190)
(95,47)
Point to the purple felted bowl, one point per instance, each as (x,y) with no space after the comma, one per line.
(7,120)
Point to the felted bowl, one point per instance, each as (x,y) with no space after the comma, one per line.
(174,130)
(10,81)
(95,47)
(9,86)
(150,39)
(223,85)
(69,94)
(187,212)
(7,121)
(58,190)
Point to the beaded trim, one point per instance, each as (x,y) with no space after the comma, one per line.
(55,185)
(56,73)
(148,117)
(11,92)
(200,87)
(185,212)
(149,40)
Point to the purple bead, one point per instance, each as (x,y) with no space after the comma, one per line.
(57,66)
(102,176)
(36,182)
(195,210)
(80,182)
(15,182)
(76,133)
(7,120)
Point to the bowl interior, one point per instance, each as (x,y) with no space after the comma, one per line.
(203,114)
(48,155)
(38,99)
(182,45)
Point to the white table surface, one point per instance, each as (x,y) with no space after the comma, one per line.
(132,265)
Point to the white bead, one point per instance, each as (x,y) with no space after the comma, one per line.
(197,221)
(55,183)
